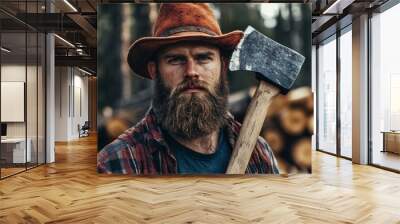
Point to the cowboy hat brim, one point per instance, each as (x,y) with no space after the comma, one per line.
(143,49)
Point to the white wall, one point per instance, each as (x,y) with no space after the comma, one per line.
(61,103)
(16,73)
(71,94)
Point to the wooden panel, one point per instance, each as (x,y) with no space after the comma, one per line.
(392,142)
(92,101)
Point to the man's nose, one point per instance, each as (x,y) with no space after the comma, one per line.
(191,69)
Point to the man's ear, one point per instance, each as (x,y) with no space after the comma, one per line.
(152,69)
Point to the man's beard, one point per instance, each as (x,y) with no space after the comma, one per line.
(193,115)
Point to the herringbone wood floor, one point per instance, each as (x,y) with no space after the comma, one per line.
(70,191)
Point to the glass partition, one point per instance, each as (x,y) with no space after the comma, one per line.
(31,98)
(22,92)
(13,109)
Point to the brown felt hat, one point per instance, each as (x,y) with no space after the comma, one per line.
(178,22)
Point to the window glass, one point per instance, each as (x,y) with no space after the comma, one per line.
(385,88)
(15,150)
(327,96)
(345,94)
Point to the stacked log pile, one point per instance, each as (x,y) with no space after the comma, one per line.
(288,128)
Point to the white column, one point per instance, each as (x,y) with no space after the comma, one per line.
(50,93)
(50,100)
(360,90)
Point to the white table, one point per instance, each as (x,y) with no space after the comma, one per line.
(18,150)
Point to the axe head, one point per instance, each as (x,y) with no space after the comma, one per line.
(273,62)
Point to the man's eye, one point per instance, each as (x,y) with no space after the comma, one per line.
(176,61)
(204,58)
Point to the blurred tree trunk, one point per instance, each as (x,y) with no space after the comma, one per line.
(109,72)
(141,27)
(125,43)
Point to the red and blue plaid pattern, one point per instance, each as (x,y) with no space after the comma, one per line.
(142,150)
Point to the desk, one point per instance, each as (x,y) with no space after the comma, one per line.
(15,148)
(391,141)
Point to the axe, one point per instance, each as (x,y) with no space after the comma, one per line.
(277,67)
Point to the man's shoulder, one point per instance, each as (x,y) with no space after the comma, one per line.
(139,132)
(267,154)
(121,156)
(263,143)
(128,139)
(114,148)
(132,136)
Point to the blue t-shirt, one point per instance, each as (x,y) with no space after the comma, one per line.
(191,162)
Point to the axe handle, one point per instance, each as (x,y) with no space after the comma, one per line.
(250,130)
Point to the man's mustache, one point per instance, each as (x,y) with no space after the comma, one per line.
(191,84)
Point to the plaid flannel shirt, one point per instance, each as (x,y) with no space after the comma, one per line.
(142,150)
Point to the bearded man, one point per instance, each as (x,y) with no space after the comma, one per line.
(188,129)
